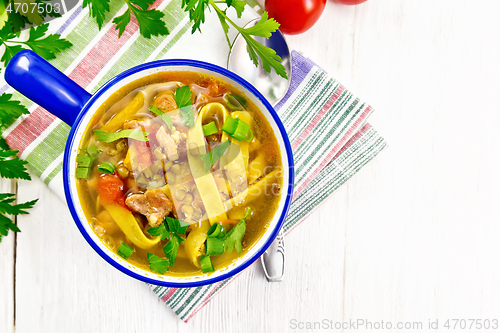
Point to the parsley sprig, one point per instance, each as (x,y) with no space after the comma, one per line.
(264,28)
(46,46)
(150,20)
(11,167)
(169,229)
(7,206)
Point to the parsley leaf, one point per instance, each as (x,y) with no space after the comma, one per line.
(12,166)
(196,9)
(165,117)
(47,47)
(210,158)
(182,97)
(7,207)
(97,10)
(10,109)
(177,226)
(150,21)
(158,264)
(238,5)
(268,57)
(134,133)
(161,231)
(172,247)
(234,237)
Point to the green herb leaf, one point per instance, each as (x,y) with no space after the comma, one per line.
(106,167)
(8,207)
(97,10)
(82,173)
(125,251)
(196,9)
(161,231)
(158,264)
(121,22)
(150,21)
(268,57)
(46,47)
(238,5)
(92,150)
(234,237)
(10,109)
(165,117)
(84,160)
(12,166)
(210,158)
(172,247)
(135,134)
(177,226)
(182,97)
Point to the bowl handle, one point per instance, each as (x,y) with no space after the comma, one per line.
(45,85)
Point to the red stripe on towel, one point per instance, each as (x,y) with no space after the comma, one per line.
(317,118)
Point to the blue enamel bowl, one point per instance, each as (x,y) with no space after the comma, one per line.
(35,78)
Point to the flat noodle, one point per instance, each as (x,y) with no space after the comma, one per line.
(204,180)
(253,192)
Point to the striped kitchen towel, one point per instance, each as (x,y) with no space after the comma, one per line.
(325,122)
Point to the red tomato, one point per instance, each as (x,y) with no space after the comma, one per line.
(295,16)
(111,190)
(351,2)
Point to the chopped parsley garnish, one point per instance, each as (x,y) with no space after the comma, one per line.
(172,247)
(169,229)
(135,134)
(210,158)
(158,264)
(125,251)
(165,117)
(182,97)
(85,161)
(234,237)
(7,207)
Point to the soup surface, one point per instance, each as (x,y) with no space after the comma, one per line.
(179,173)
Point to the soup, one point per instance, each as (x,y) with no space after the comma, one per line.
(179,173)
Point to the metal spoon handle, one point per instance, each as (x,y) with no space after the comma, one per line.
(273,260)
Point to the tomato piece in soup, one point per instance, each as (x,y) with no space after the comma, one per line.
(111,190)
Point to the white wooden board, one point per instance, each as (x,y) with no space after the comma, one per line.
(412,238)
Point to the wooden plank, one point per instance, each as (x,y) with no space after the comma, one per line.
(7,257)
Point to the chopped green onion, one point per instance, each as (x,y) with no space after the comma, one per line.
(230,125)
(92,150)
(106,167)
(210,129)
(84,161)
(134,133)
(235,102)
(125,251)
(82,172)
(206,264)
(241,131)
(165,117)
(215,246)
(237,128)
(249,136)
(214,230)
